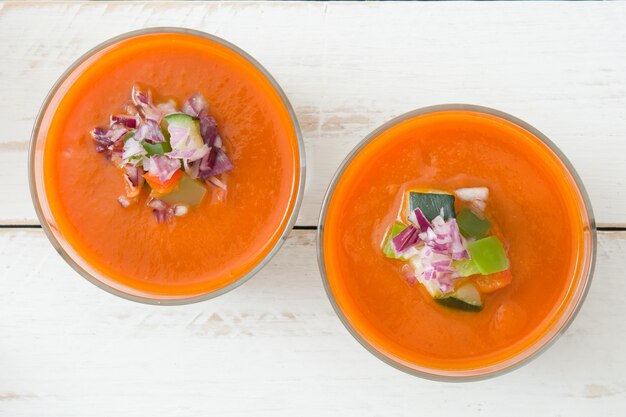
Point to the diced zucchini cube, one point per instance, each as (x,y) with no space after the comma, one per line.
(432,204)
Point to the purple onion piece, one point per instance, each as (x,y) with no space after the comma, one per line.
(405,239)
(116,156)
(195,105)
(421,220)
(151,132)
(134,174)
(124,202)
(179,136)
(214,163)
(157,204)
(189,155)
(208,128)
(161,216)
(180,210)
(130,122)
(217,183)
(100,135)
(163,167)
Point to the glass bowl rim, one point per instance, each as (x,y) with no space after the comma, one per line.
(301,175)
(546,342)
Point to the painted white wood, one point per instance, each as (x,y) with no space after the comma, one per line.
(273,347)
(348,67)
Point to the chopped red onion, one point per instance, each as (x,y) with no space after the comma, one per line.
(189,155)
(124,202)
(116,157)
(195,105)
(434,271)
(468,194)
(192,168)
(163,167)
(106,139)
(162,216)
(125,120)
(157,204)
(208,128)
(217,183)
(179,136)
(144,105)
(142,117)
(131,110)
(134,174)
(405,239)
(432,259)
(150,131)
(214,163)
(134,180)
(418,218)
(133,149)
(180,210)
(476,196)
(445,238)
(145,163)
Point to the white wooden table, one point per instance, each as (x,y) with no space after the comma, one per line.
(274,347)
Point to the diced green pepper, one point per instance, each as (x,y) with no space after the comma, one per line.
(488,255)
(156,148)
(465,267)
(189,191)
(128,135)
(395,229)
(472,224)
(432,204)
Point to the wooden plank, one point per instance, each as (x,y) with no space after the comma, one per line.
(273,347)
(348,67)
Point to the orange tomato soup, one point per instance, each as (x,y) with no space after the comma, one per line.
(532,198)
(216,243)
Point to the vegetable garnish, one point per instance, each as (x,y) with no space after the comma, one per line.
(449,252)
(177,153)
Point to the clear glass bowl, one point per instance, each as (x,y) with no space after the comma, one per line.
(581,280)
(42,207)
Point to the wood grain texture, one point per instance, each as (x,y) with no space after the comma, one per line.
(273,347)
(348,67)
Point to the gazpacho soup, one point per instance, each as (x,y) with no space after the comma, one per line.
(455,242)
(167,165)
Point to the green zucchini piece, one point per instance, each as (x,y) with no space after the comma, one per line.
(184,120)
(431,204)
(156,148)
(465,267)
(465,298)
(393,231)
(189,191)
(488,255)
(472,224)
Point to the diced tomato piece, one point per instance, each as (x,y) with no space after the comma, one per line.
(163,188)
(493,282)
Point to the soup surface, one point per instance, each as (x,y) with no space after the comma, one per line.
(215,243)
(533,200)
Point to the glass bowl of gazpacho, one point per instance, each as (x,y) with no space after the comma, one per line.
(456,242)
(166,166)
